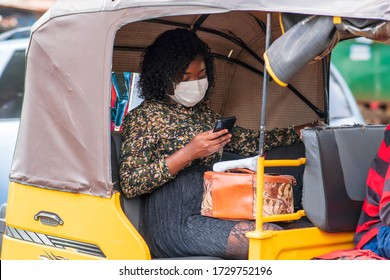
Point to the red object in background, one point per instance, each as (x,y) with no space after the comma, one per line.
(113,99)
(374,105)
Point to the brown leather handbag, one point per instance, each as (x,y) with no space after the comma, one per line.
(232,194)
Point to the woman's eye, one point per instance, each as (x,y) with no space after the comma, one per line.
(185,78)
(192,77)
(202,74)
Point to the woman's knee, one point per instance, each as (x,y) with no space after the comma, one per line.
(238,244)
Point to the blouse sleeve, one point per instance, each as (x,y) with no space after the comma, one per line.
(141,169)
(246,141)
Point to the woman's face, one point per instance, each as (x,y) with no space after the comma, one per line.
(193,85)
(195,71)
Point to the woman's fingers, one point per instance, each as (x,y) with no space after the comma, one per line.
(219,142)
(224,139)
(218,134)
(207,143)
(219,138)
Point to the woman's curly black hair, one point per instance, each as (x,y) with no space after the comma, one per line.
(165,61)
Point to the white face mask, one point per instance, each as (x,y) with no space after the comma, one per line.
(189,93)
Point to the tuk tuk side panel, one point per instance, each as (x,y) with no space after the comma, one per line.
(298,244)
(92,227)
(22,250)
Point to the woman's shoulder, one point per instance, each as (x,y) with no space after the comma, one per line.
(205,108)
(151,112)
(146,108)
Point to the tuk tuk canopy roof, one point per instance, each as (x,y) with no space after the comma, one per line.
(367,9)
(64,134)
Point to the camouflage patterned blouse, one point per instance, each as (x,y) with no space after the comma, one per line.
(154,130)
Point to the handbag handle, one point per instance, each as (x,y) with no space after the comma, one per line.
(270,177)
(240,170)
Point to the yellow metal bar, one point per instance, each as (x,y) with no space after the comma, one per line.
(257,237)
(285,217)
(337,20)
(284,162)
(259,194)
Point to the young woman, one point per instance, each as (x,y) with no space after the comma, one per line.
(169,144)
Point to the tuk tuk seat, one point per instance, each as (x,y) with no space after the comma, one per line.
(337,164)
(130,206)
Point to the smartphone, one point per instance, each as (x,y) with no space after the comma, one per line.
(225,123)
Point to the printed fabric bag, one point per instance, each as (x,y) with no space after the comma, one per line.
(232,194)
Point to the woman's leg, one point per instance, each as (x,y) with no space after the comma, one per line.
(238,244)
(171,223)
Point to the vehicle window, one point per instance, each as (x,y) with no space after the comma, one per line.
(19,35)
(338,103)
(12,86)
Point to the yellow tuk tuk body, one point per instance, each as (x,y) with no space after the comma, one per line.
(62,201)
(108,234)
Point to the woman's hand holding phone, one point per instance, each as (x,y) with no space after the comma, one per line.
(207,143)
(225,123)
(201,145)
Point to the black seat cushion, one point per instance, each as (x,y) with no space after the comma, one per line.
(337,164)
(116,143)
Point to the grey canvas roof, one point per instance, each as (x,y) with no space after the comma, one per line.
(63,140)
(373,9)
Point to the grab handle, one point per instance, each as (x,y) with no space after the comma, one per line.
(48,218)
(241,170)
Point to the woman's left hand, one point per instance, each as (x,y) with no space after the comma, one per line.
(207,143)
(315,123)
(201,145)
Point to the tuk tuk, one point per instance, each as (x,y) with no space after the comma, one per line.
(272,66)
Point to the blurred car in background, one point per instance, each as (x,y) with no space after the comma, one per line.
(12,71)
(17,33)
(343,108)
